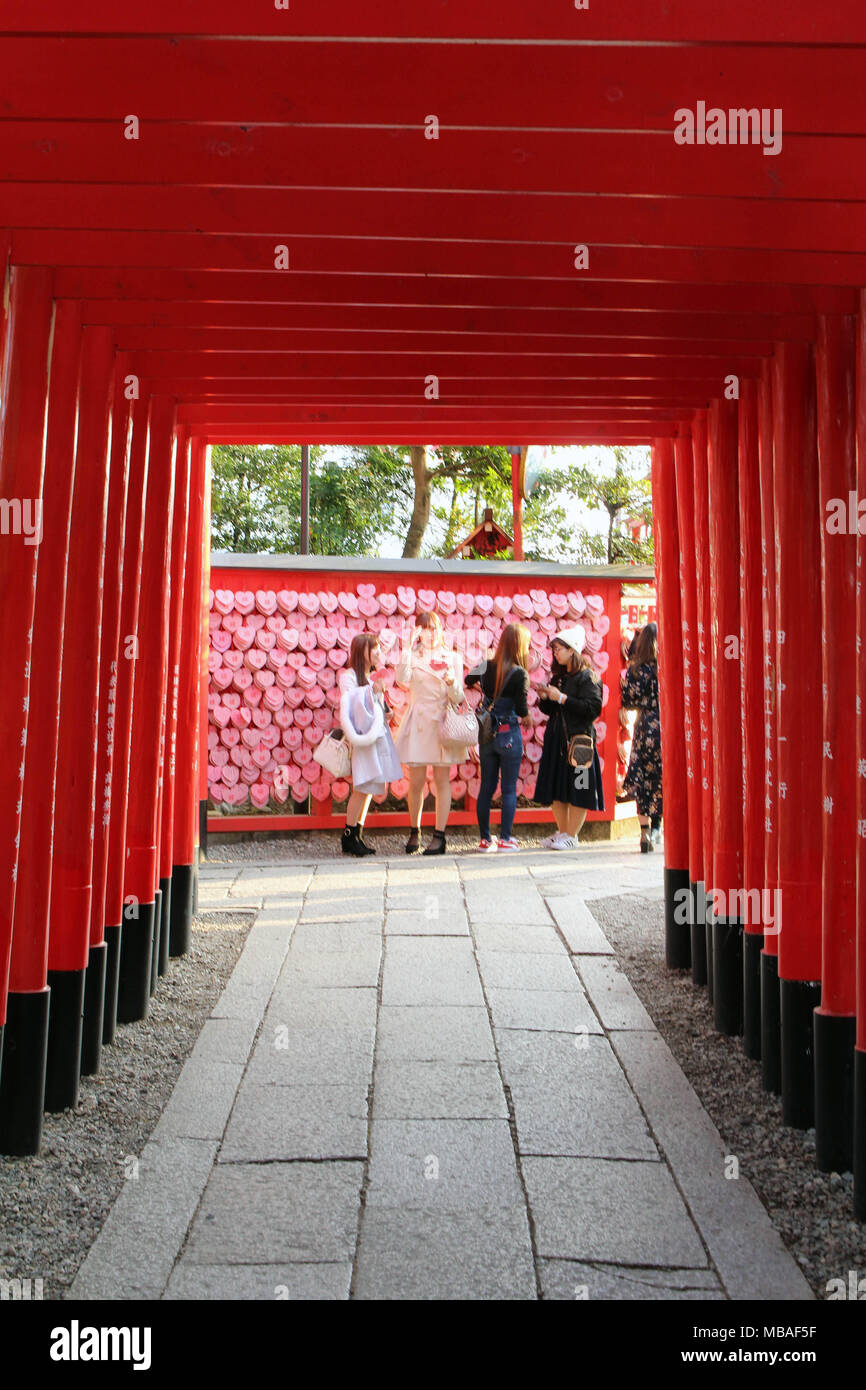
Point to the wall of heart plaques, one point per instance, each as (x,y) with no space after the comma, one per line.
(276,654)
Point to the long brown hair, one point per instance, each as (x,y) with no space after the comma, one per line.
(513,650)
(362,644)
(424,618)
(645,650)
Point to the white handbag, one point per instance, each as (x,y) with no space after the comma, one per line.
(333,754)
(459,726)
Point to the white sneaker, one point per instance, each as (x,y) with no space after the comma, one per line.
(509,844)
(563,842)
(488,846)
(550,842)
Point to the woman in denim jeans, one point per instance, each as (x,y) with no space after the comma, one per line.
(504,683)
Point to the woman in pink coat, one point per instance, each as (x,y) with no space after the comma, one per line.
(434,676)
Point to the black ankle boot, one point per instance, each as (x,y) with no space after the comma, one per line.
(368,849)
(437,844)
(351,842)
(412,845)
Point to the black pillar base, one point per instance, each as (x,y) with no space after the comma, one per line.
(22,1080)
(136,950)
(699,934)
(753,945)
(798,999)
(195,890)
(202,831)
(94,1007)
(112,974)
(154,952)
(860,1135)
(678,947)
(728,975)
(708,938)
(835,1035)
(65,1023)
(771,1039)
(164,925)
(183,879)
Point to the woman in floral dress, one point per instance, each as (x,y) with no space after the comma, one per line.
(640,691)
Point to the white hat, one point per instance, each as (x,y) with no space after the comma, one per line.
(574,637)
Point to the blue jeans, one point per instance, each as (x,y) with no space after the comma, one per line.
(501,757)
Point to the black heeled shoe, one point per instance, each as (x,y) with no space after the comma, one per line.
(412,844)
(351,842)
(437,844)
(646,844)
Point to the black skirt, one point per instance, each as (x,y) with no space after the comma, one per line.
(557,778)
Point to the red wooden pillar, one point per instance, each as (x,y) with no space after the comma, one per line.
(169,774)
(702,570)
(126,668)
(142,868)
(674,795)
(22,462)
(71,882)
(94,987)
(724,528)
(183,873)
(751,711)
(860,981)
(686,521)
(205,651)
(771,1064)
(22,1082)
(799,732)
(834,1022)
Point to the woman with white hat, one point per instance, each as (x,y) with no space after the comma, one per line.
(572,702)
(363,719)
(434,676)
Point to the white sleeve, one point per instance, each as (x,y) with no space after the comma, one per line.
(403,670)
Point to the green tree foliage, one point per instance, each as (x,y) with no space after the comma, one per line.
(354,504)
(625,493)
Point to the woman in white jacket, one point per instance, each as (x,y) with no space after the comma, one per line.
(363,718)
(434,676)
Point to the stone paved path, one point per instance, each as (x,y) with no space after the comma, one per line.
(431,1079)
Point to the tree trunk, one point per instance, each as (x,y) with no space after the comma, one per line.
(452,520)
(477,502)
(421,503)
(612,515)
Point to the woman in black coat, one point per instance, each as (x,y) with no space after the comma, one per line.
(572,702)
(640,691)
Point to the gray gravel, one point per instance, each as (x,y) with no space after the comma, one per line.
(52,1207)
(811,1210)
(233,847)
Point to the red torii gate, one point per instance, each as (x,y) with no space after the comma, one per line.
(206,242)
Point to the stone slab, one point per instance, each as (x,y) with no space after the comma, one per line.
(306,1006)
(571,1097)
(565,1011)
(278,1123)
(537,938)
(133,1255)
(431,1033)
(430,970)
(527,970)
(463,1255)
(743,1243)
(611,994)
(351,969)
(442,1165)
(617,1211)
(567,1279)
(261,1283)
(274,1213)
(201,1102)
(438,1090)
(292,1056)
(407,923)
